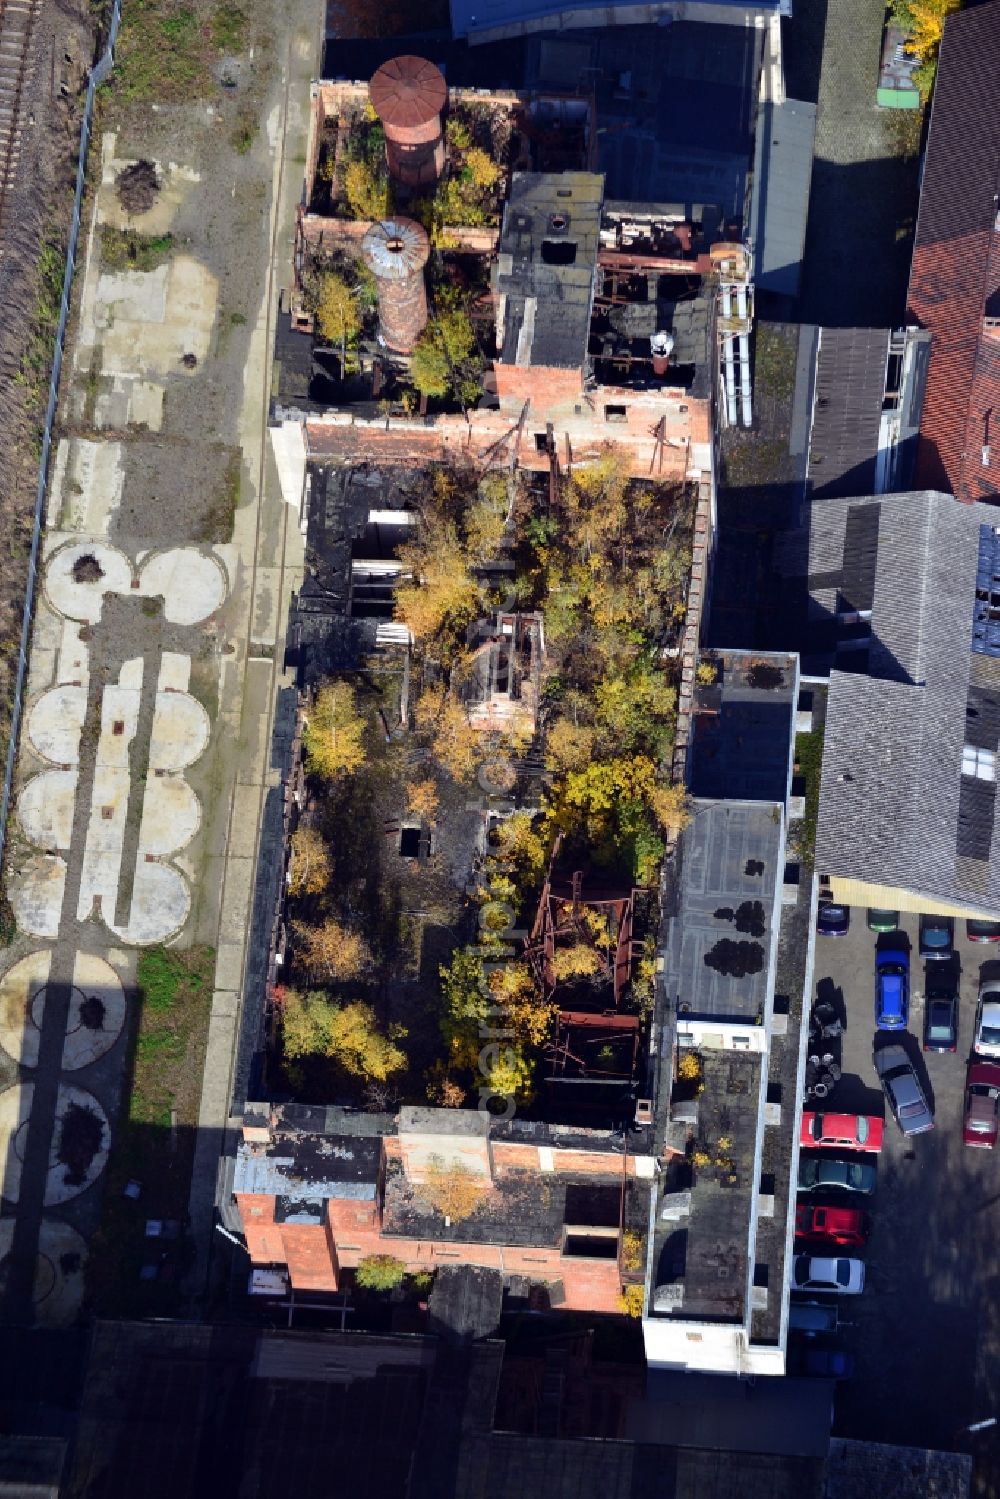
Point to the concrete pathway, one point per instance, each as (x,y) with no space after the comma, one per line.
(273,547)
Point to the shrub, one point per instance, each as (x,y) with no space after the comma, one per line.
(380,1272)
(367,190)
(631,1300)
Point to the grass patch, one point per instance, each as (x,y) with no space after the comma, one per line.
(124,250)
(229,27)
(809,759)
(166,49)
(175,992)
(36,361)
(221,516)
(245,132)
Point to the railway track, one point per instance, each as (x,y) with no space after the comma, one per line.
(17,25)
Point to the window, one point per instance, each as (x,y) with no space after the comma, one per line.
(541,442)
(615,413)
(981,763)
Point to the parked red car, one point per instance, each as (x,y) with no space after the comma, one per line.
(846,1226)
(982,1100)
(843,1131)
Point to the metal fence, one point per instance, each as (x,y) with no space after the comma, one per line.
(98,75)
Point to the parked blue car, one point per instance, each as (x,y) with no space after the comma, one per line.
(892,989)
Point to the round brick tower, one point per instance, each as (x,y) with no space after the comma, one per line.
(408,94)
(396,251)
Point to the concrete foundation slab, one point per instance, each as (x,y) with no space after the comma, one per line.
(78,576)
(20,987)
(191,583)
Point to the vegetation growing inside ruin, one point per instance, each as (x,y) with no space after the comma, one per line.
(402,891)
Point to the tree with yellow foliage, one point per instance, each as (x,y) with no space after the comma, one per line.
(313,1025)
(923,22)
(309,867)
(455,744)
(671,807)
(568,745)
(422,799)
(451,1188)
(337,316)
(330,952)
(334,732)
(523,1008)
(578,961)
(440,593)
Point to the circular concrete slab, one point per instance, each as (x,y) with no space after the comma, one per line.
(57,1294)
(161,902)
(79,575)
(55,724)
(181,731)
(96,1009)
(79,1149)
(36,894)
(45,809)
(192,584)
(171,815)
(15,1107)
(20,988)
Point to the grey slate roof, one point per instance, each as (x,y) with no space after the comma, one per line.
(545,269)
(895,806)
(850,384)
(783,156)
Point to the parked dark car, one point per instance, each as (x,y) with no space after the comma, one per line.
(833,920)
(880,920)
(903,1090)
(940,1020)
(810,1318)
(834,1173)
(982,931)
(892,989)
(822,1363)
(937,937)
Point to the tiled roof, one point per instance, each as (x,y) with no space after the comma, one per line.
(956,261)
(896,806)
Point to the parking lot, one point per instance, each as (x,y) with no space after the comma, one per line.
(925,1333)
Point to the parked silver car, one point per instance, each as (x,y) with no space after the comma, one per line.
(904,1093)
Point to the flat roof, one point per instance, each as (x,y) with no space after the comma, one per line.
(743,728)
(676,105)
(703,1257)
(546,264)
(783,156)
(719,931)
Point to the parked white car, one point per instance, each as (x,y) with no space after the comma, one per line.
(811,1272)
(986,1037)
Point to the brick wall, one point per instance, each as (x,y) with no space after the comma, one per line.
(313,1254)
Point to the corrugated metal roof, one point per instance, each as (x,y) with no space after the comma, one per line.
(783,155)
